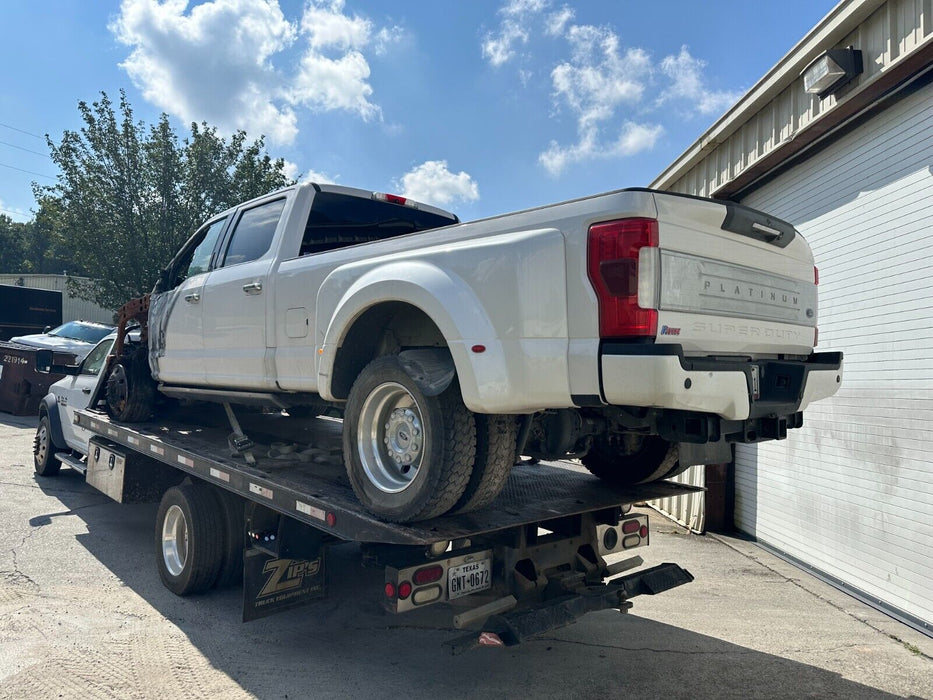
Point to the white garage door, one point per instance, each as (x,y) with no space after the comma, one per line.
(851,493)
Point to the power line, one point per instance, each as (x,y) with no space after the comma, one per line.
(23,131)
(30,172)
(28,150)
(14,213)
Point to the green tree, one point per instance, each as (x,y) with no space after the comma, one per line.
(129,195)
(11,244)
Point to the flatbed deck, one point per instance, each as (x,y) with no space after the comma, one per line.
(305,478)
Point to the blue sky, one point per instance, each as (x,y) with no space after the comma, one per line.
(478,106)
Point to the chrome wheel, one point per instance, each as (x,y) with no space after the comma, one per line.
(175,540)
(391,437)
(41,447)
(118,391)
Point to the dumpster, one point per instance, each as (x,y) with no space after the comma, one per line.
(21,387)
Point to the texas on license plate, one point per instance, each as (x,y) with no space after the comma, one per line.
(468,578)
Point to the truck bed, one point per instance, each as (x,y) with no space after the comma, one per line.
(313,488)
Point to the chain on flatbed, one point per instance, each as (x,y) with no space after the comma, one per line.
(305,491)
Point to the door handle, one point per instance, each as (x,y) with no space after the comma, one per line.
(85,390)
(193,298)
(253,288)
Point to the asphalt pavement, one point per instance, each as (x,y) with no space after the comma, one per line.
(83,614)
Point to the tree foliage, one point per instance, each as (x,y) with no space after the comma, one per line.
(129,195)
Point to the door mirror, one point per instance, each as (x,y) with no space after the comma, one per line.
(43,361)
(45,365)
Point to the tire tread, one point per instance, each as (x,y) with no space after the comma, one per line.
(496,436)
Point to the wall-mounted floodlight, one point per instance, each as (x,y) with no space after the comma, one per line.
(831,70)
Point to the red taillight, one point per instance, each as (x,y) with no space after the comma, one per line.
(390,590)
(643,531)
(612,263)
(816,275)
(630,526)
(816,336)
(428,574)
(404,590)
(394,199)
(330,519)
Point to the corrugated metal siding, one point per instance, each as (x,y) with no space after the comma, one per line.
(895,29)
(688,510)
(851,493)
(72,307)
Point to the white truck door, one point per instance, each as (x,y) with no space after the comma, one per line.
(234,303)
(177,329)
(74,393)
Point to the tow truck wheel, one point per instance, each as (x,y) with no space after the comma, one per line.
(130,389)
(496,436)
(231,567)
(636,460)
(408,456)
(43,450)
(189,539)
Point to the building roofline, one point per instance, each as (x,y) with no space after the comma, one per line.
(841,21)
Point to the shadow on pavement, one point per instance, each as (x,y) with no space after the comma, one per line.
(345,644)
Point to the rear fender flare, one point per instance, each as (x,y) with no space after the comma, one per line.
(446,299)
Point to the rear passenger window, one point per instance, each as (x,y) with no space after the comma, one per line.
(201,258)
(252,236)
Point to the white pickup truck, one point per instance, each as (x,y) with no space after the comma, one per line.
(640,331)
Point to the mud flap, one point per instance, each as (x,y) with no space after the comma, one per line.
(283,568)
(272,584)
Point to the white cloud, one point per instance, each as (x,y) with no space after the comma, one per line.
(557,21)
(686,72)
(386,37)
(327,27)
(216,61)
(293,172)
(319,177)
(212,63)
(433,183)
(597,81)
(334,83)
(334,73)
(633,138)
(499,47)
(609,90)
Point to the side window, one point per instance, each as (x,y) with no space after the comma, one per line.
(253,233)
(95,358)
(201,258)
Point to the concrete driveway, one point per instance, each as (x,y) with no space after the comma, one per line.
(83,614)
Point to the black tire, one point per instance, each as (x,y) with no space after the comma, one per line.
(43,449)
(496,436)
(652,459)
(189,539)
(231,560)
(434,437)
(676,470)
(131,391)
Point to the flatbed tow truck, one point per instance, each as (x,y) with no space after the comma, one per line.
(265,508)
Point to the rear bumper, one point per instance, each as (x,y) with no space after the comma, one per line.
(659,376)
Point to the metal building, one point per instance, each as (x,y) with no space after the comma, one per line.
(72,307)
(850,164)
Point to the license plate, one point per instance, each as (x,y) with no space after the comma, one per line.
(468,578)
